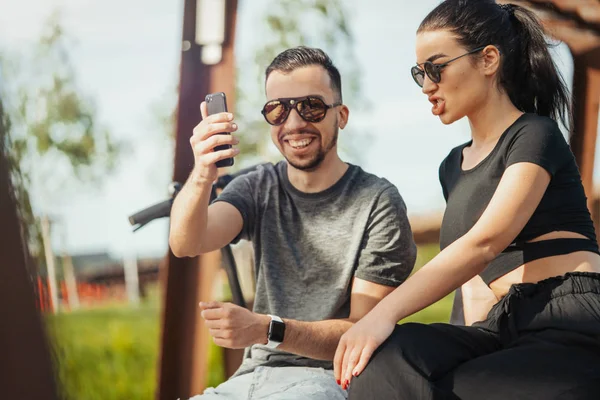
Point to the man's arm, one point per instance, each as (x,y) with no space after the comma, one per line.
(195,227)
(387,256)
(236,327)
(319,339)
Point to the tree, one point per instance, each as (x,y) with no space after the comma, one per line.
(286,23)
(53,134)
(290,23)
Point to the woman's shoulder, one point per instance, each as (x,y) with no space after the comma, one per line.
(534,124)
(537,139)
(454,157)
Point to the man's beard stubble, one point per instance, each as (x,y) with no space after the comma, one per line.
(314,163)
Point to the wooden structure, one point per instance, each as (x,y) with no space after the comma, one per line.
(183,360)
(26,364)
(577,24)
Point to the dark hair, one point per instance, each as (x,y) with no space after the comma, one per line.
(527,72)
(303,56)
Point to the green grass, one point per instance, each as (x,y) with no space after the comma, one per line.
(106,354)
(111,353)
(440,311)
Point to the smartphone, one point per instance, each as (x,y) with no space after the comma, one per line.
(217,103)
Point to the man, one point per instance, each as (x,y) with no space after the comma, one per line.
(330,240)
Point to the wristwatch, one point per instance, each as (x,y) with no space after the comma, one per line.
(276,332)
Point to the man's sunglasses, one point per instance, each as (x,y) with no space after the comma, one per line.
(434,71)
(310,109)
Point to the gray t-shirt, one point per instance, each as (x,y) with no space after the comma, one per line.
(309,246)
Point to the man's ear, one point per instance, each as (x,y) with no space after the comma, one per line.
(343,115)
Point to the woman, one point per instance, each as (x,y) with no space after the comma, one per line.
(516,220)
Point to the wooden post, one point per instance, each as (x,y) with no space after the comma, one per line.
(184,344)
(51,269)
(26,363)
(596,211)
(586,101)
(209,267)
(132,284)
(70,281)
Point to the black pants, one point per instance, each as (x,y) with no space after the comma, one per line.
(541,341)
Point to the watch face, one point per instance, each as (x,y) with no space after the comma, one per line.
(276,331)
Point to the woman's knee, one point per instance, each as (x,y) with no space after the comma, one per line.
(392,355)
(419,349)
(384,377)
(404,365)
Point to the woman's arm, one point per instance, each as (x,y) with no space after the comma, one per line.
(518,194)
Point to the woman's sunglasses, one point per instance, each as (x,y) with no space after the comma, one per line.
(434,71)
(310,109)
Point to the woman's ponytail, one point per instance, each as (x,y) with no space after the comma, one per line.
(528,73)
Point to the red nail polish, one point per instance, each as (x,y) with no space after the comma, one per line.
(338,381)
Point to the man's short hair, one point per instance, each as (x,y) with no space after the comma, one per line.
(302,56)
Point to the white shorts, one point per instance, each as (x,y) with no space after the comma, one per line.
(278,383)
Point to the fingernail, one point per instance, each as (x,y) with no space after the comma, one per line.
(338,381)
(234,126)
(355,374)
(229,116)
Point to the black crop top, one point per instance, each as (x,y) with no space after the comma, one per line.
(563,207)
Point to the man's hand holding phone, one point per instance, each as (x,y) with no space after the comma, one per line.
(208,135)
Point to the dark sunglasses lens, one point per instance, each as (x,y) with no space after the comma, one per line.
(312,109)
(275,112)
(418,75)
(432,72)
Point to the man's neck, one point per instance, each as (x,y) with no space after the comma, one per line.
(331,170)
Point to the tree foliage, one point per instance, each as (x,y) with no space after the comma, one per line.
(284,24)
(290,23)
(54,138)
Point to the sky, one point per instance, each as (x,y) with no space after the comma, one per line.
(126,57)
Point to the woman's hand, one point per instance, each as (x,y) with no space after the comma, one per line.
(357,345)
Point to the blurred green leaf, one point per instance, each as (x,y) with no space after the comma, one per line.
(53,122)
(285,24)
(291,23)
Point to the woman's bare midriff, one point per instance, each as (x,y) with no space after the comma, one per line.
(548,267)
